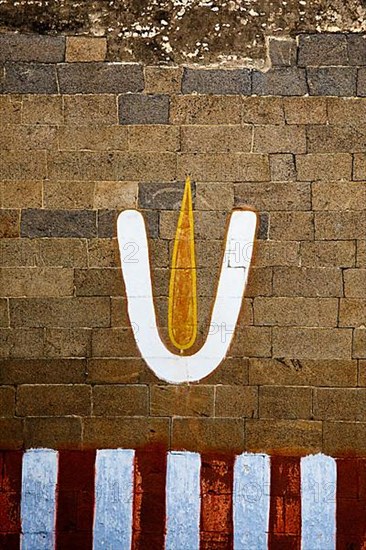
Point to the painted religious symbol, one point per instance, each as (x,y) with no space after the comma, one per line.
(181,367)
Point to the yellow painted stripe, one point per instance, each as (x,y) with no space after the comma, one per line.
(182,307)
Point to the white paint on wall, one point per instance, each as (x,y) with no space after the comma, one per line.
(318,502)
(38,500)
(131,232)
(183,501)
(114,471)
(251,501)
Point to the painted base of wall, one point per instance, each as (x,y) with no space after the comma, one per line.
(121,499)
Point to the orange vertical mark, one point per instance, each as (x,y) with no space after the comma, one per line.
(182,307)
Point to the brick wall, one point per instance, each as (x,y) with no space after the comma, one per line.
(82,139)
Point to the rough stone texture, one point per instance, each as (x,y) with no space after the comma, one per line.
(36,48)
(219,82)
(85,49)
(107,78)
(338,81)
(280,81)
(193,32)
(139,109)
(30,78)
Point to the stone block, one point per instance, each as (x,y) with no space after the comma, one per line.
(85,48)
(117,195)
(208,434)
(10,109)
(336,139)
(312,343)
(21,194)
(127,432)
(58,223)
(216,81)
(328,254)
(340,225)
(163,80)
(21,166)
(288,436)
(98,282)
(53,433)
(30,78)
(356,49)
(120,400)
(285,402)
(93,138)
(54,400)
(32,47)
(327,166)
(305,110)
(262,110)
(9,224)
(60,312)
(307,282)
(282,167)
(36,282)
(100,78)
(296,311)
(90,110)
(282,52)
(190,109)
(291,226)
(7,401)
(273,196)
(303,372)
(338,196)
(182,400)
(328,81)
(37,371)
(282,81)
(322,49)
(216,139)
(352,312)
(279,139)
(354,283)
(236,401)
(143,109)
(66,342)
(151,137)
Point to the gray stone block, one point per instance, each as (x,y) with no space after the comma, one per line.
(217,81)
(263,229)
(332,81)
(286,81)
(143,109)
(282,53)
(32,48)
(30,78)
(161,196)
(361,82)
(58,223)
(322,49)
(100,78)
(356,49)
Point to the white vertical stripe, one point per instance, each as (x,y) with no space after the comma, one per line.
(318,502)
(251,501)
(183,501)
(38,501)
(113,499)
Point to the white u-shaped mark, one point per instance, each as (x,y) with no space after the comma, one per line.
(131,231)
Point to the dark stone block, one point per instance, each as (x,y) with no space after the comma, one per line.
(144,109)
(107,224)
(361,82)
(161,196)
(100,78)
(336,81)
(287,81)
(30,78)
(151,218)
(217,81)
(322,49)
(263,226)
(357,49)
(58,223)
(32,47)
(282,53)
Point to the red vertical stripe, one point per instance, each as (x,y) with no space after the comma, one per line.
(75,500)
(10,491)
(351,504)
(285,504)
(149,499)
(217,473)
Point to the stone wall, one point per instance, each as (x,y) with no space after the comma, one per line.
(82,139)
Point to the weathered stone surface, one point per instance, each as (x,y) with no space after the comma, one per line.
(282,52)
(58,223)
(220,139)
(32,47)
(356,49)
(285,402)
(157,196)
(317,49)
(338,81)
(30,78)
(284,81)
(143,109)
(85,49)
(216,81)
(102,78)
